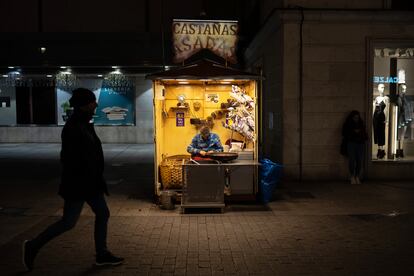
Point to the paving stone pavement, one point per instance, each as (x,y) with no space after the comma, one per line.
(341,230)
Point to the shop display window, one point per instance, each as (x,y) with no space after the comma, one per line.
(35,105)
(393,104)
(43,99)
(116,100)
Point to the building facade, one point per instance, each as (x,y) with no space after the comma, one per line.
(322,59)
(47,45)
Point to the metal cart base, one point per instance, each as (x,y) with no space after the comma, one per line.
(203,186)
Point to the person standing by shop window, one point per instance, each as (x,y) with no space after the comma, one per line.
(355,136)
(82,181)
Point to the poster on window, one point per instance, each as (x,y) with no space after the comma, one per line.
(115,105)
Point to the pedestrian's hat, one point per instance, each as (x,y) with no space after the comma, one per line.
(81,97)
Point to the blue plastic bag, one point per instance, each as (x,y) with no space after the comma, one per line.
(270,174)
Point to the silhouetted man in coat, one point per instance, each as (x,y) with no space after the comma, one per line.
(82,181)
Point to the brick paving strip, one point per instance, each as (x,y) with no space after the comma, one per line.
(316,228)
(264,244)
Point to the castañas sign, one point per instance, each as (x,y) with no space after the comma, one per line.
(190,36)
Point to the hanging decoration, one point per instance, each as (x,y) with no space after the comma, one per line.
(117,80)
(12,79)
(240,115)
(394,52)
(65,79)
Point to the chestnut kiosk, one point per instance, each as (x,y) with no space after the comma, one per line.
(186,98)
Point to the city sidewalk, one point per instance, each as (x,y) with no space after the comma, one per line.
(311,228)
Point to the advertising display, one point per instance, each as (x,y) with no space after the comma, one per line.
(115,105)
(393,105)
(191,36)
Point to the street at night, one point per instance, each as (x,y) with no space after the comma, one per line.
(311,228)
(207,137)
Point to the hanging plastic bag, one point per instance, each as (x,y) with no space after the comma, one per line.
(270,174)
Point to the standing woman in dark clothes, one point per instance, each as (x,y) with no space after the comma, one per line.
(355,135)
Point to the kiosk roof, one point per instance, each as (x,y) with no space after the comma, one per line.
(203,69)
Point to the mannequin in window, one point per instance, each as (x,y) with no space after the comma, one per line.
(379,119)
(405,117)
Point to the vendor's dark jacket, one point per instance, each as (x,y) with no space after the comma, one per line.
(82,160)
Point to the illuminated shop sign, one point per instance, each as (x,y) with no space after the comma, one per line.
(191,36)
(383,79)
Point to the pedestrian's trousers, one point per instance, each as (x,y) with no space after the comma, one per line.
(71,212)
(355,156)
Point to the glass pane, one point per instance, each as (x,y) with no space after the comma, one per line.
(393,102)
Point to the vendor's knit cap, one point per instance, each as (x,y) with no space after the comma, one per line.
(81,97)
(205,130)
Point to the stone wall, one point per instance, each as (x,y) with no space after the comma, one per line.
(268,6)
(268,57)
(335,81)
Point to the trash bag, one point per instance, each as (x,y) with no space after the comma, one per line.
(270,174)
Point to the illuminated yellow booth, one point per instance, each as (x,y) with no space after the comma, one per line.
(192,93)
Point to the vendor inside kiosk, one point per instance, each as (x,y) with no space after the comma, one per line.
(205,133)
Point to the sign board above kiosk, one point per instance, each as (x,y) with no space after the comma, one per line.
(191,36)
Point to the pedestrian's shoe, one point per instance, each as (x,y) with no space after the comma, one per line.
(380,153)
(353,181)
(108,259)
(357,181)
(29,254)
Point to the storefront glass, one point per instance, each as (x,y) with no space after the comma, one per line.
(44,99)
(393,103)
(115,102)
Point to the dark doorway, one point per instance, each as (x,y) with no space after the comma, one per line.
(23,105)
(36,105)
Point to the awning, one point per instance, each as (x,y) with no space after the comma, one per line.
(203,69)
